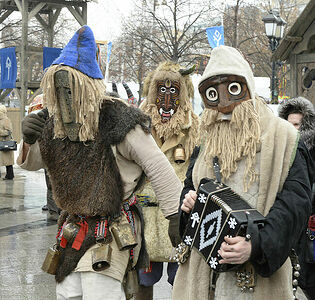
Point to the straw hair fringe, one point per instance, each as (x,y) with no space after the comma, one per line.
(87,96)
(232,140)
(175,125)
(168,129)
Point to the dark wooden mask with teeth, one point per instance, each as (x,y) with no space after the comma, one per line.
(167,101)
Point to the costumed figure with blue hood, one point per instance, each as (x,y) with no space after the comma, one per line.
(96,149)
(168,91)
(258,160)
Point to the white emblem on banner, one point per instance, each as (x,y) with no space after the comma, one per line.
(8,65)
(217,37)
(213,222)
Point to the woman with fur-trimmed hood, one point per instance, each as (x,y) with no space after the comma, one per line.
(301,113)
(168,91)
(304,110)
(6,157)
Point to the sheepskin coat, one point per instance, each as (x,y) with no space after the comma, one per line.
(186,138)
(6,157)
(282,195)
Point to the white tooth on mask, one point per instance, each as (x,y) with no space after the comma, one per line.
(172,111)
(161,111)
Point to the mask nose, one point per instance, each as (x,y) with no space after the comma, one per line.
(223,96)
(167,99)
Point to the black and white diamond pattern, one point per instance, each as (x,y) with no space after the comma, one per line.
(210,228)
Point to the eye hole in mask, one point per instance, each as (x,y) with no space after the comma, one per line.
(212,94)
(163,89)
(234,88)
(172,90)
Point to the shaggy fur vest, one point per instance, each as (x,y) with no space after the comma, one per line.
(84,176)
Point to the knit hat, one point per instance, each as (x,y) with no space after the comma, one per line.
(80,53)
(226,60)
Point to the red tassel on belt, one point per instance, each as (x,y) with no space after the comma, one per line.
(81,235)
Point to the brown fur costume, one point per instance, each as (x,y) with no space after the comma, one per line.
(85,177)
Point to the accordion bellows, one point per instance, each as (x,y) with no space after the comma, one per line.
(218,212)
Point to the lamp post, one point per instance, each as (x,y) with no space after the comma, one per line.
(274,27)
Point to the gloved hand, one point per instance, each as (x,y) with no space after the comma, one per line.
(173,230)
(32,127)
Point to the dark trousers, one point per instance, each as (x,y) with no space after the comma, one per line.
(9,174)
(155,274)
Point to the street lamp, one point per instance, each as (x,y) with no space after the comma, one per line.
(274,27)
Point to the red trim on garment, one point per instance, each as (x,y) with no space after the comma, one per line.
(148,270)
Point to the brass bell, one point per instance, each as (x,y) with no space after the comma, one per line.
(69,231)
(51,261)
(123,235)
(297,267)
(101,257)
(296,274)
(179,154)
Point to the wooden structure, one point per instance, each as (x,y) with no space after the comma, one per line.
(298,49)
(47,13)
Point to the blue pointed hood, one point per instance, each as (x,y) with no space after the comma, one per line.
(80,53)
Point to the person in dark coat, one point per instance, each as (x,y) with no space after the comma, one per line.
(261,158)
(301,113)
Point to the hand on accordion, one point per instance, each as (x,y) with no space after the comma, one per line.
(189,201)
(235,250)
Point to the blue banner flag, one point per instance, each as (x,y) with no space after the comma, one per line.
(8,68)
(215,36)
(49,55)
(109,51)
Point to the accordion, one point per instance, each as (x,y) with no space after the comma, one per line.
(218,212)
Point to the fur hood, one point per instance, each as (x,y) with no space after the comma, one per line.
(306,108)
